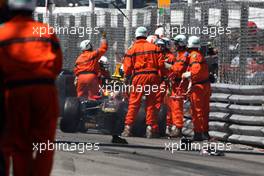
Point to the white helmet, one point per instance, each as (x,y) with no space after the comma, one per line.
(86,45)
(152,38)
(160,42)
(141,32)
(160,32)
(194,42)
(181,40)
(103,60)
(22,4)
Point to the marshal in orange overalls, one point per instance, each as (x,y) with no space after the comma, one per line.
(175,106)
(30,65)
(201,91)
(143,61)
(161,95)
(87,69)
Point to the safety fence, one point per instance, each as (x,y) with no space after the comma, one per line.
(237,114)
(72,28)
(236,111)
(235,29)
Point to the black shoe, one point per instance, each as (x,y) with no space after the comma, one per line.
(198,136)
(206,136)
(118,140)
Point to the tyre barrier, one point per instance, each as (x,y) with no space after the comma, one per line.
(218,126)
(238,89)
(237,114)
(248,140)
(247,130)
(237,109)
(247,120)
(219,116)
(223,136)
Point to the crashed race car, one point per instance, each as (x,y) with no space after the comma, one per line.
(105,115)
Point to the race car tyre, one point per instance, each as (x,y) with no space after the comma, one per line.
(139,127)
(71,116)
(66,88)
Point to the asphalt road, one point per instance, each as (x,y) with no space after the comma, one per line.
(131,161)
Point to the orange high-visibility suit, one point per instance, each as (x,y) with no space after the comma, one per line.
(2,100)
(143,61)
(30,65)
(87,69)
(2,123)
(175,106)
(200,92)
(169,58)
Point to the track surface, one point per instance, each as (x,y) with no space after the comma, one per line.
(129,161)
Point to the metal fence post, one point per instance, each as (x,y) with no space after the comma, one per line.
(153,21)
(223,57)
(204,20)
(128,24)
(243,42)
(110,32)
(120,49)
(93,16)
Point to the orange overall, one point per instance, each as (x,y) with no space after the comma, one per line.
(87,69)
(175,106)
(169,58)
(30,65)
(201,91)
(143,61)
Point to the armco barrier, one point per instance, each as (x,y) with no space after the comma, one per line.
(236,114)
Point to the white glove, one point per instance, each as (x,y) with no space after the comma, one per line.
(186,75)
(167,66)
(75,81)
